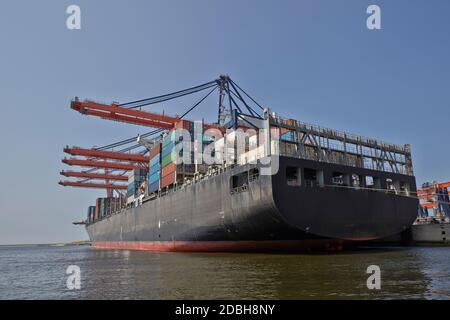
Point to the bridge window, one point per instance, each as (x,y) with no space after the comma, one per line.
(356,180)
(239,182)
(337,178)
(313,177)
(404,188)
(370,183)
(293,176)
(390,185)
(373,182)
(340,179)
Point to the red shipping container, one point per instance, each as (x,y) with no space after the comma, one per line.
(167,180)
(97,208)
(183,124)
(155,151)
(170,168)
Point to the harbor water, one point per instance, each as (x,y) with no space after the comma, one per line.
(39,272)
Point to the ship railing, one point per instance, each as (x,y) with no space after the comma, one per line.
(401,167)
(284,122)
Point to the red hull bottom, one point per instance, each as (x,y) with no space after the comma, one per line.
(223,246)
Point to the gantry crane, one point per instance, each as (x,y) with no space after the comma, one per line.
(231,102)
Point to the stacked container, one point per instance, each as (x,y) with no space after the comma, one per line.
(170,172)
(135,179)
(102,208)
(97,210)
(154,169)
(90,214)
(167,176)
(105,207)
(111,205)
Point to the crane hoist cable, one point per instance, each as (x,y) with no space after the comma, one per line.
(169,96)
(248,96)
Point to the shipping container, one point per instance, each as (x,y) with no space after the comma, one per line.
(133,188)
(154,168)
(153,187)
(185,124)
(155,160)
(154,178)
(97,209)
(91,213)
(167,150)
(166,160)
(137,174)
(107,206)
(155,151)
(130,199)
(132,178)
(137,179)
(170,168)
(168,139)
(168,180)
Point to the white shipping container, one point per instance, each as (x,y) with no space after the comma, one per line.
(219,146)
(130,199)
(253,142)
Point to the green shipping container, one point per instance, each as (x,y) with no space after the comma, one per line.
(166,160)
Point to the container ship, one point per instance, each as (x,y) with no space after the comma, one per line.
(270,183)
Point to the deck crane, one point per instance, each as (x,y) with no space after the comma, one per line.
(231,102)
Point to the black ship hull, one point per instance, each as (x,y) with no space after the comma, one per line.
(265,214)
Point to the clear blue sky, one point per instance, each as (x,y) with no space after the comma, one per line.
(312,60)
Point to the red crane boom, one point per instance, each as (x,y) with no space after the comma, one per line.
(138,117)
(89,175)
(101,164)
(114,155)
(114,112)
(93,185)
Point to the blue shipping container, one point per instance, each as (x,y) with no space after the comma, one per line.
(168,139)
(166,151)
(154,160)
(153,187)
(153,178)
(155,168)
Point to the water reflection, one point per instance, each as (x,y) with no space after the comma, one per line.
(146,275)
(31,273)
